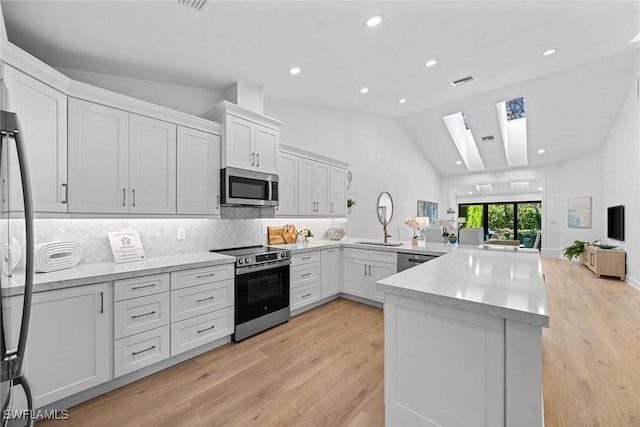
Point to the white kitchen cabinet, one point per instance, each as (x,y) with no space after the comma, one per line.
(287,185)
(363,268)
(305,279)
(330,272)
(152,166)
(198,172)
(120,162)
(313,187)
(42,112)
(250,140)
(338,192)
(70,339)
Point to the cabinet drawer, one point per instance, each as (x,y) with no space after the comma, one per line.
(197,300)
(140,350)
(305,258)
(141,286)
(200,276)
(140,315)
(200,330)
(356,253)
(304,274)
(304,295)
(383,256)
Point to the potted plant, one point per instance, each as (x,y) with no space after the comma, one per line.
(350,204)
(576,250)
(453,238)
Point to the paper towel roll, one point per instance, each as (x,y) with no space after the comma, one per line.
(54,256)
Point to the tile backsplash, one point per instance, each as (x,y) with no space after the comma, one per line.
(159,236)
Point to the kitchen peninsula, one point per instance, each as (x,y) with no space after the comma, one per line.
(463,340)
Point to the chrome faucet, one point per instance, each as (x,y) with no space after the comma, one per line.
(383,214)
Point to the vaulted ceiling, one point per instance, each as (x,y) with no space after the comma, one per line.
(572,96)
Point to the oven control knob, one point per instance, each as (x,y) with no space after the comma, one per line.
(247,260)
(240,261)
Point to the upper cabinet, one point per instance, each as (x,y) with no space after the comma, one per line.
(198,172)
(249,140)
(42,112)
(311,184)
(120,162)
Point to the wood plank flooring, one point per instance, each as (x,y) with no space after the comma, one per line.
(325,368)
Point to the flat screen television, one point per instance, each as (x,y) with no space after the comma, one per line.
(615,222)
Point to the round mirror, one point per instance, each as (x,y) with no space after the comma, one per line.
(384,207)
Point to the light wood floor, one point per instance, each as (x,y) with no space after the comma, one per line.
(325,368)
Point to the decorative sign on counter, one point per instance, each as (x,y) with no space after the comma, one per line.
(126,246)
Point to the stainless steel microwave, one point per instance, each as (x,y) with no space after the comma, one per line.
(241,187)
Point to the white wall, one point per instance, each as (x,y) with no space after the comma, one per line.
(382,157)
(621,176)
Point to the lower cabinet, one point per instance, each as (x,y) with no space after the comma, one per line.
(199,330)
(330,272)
(305,279)
(140,350)
(363,268)
(68,349)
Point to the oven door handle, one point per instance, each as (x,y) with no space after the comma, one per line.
(247,270)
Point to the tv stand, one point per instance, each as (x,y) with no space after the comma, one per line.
(605,262)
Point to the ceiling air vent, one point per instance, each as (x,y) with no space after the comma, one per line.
(487,138)
(462,81)
(196,4)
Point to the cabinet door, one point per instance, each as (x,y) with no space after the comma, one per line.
(329,272)
(355,278)
(267,149)
(42,112)
(152,166)
(69,344)
(239,143)
(321,174)
(198,172)
(98,158)
(306,202)
(338,192)
(287,185)
(379,271)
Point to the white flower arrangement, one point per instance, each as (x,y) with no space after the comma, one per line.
(413,224)
(305,232)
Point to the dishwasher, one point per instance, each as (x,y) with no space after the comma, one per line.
(406,261)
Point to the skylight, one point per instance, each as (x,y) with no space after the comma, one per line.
(513,126)
(461,134)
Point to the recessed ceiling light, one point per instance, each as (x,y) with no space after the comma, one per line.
(539,188)
(374,21)
(458,162)
(431,63)
(364,90)
(549,52)
(470,192)
(541,151)
(403,100)
(295,70)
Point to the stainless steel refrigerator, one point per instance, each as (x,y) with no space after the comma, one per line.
(16,275)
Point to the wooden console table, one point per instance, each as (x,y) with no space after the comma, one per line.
(605,262)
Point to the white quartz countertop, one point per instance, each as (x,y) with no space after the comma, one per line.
(85,274)
(498,283)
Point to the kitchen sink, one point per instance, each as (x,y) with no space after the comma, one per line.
(380,243)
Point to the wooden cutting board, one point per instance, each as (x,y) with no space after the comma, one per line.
(276,235)
(290,233)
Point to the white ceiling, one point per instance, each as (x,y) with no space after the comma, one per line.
(572,96)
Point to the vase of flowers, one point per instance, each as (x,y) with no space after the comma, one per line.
(413,224)
(453,238)
(350,204)
(305,233)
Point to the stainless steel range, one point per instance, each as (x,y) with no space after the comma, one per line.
(261,288)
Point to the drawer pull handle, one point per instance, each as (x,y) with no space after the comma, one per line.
(305,258)
(206,329)
(200,276)
(205,299)
(135,353)
(330,251)
(305,275)
(135,288)
(306,295)
(142,315)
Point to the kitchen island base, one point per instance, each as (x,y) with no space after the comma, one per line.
(447,366)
